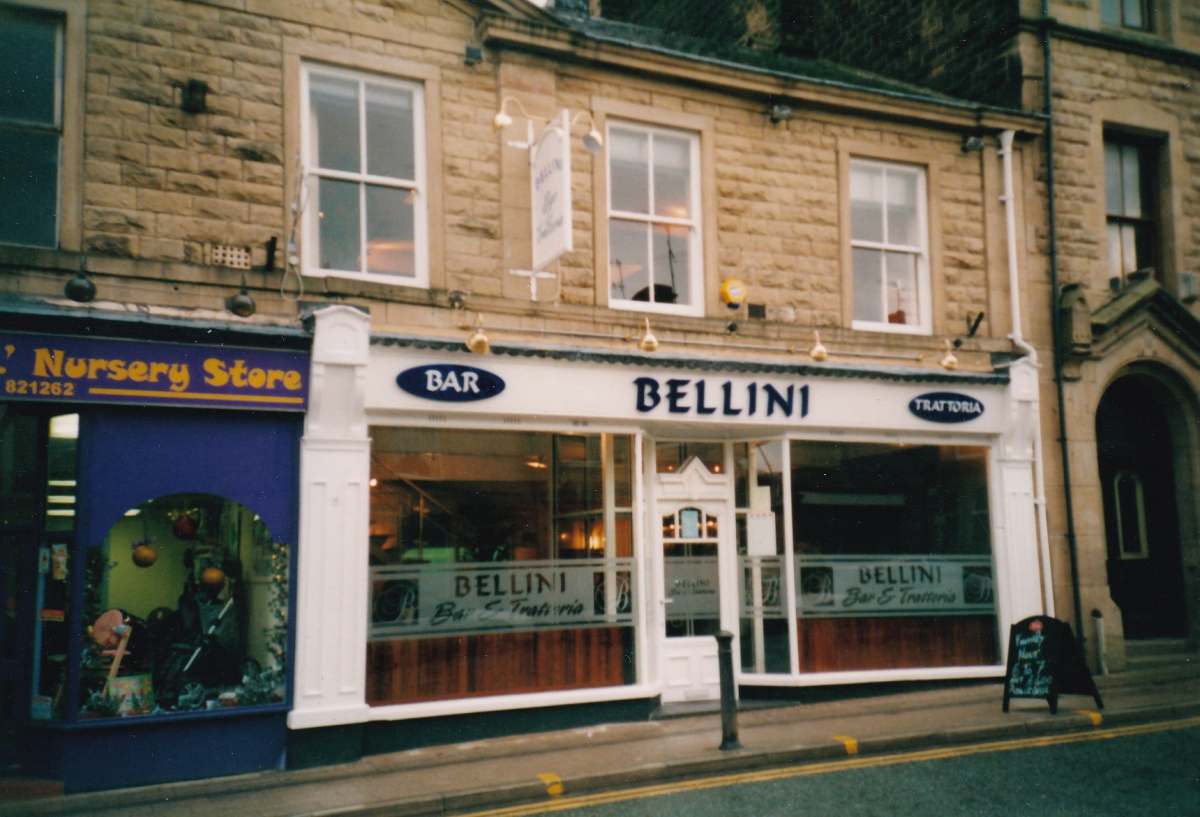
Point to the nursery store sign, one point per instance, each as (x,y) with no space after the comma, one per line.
(102,370)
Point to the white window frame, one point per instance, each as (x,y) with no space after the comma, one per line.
(694,224)
(924,323)
(310,247)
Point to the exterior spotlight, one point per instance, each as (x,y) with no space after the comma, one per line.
(473,55)
(971,142)
(502,120)
(80,288)
(780,113)
(241,304)
(478,341)
(949,361)
(593,141)
(647,342)
(818,352)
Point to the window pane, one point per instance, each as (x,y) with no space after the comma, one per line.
(903,221)
(1131,181)
(672,177)
(28,188)
(1113,196)
(1134,18)
(629,171)
(19,486)
(1114,250)
(622,471)
(866,203)
(868,285)
(390,132)
(671,264)
(1110,12)
(338,219)
(628,264)
(28,67)
(334,123)
(902,288)
(390,248)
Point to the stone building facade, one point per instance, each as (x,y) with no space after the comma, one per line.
(772,374)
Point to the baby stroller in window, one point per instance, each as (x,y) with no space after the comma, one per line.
(198,647)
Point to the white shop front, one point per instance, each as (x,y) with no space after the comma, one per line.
(553,528)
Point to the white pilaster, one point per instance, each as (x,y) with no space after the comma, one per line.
(332,554)
(1018,567)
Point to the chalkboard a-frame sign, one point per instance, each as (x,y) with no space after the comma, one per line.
(1044,661)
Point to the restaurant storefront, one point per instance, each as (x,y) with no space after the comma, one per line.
(148,493)
(560,533)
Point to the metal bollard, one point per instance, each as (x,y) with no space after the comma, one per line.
(729,728)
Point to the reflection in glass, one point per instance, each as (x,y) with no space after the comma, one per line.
(628,258)
(868,284)
(672,177)
(390,231)
(390,145)
(671,265)
(336,206)
(866,203)
(629,178)
(334,114)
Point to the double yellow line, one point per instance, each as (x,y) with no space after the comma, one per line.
(808,769)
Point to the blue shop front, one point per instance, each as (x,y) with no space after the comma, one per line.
(147,523)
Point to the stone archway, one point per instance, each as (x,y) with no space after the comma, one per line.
(1145,450)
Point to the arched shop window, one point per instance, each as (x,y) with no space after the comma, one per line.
(184,609)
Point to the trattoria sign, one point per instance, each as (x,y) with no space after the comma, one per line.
(945,407)
(466,598)
(550,192)
(846,586)
(101,370)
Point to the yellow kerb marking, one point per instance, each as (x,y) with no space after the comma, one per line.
(1096,717)
(850,743)
(553,782)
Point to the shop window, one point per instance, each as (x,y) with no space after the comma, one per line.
(654,252)
(31,125)
(1133,14)
(892,547)
(184,609)
(497,545)
(1129,209)
(671,457)
(762,586)
(365,201)
(889,246)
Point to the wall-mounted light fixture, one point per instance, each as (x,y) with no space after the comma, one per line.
(241,304)
(818,352)
(80,288)
(193,96)
(780,113)
(478,341)
(593,141)
(949,361)
(647,342)
(972,141)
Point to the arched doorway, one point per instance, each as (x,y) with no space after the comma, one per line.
(1142,448)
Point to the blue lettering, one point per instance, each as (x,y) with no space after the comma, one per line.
(700,407)
(675,395)
(647,393)
(774,398)
(729,411)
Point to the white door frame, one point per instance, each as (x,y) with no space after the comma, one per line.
(688,664)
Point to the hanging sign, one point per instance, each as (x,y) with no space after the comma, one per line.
(102,370)
(550,192)
(1044,661)
(856,586)
(945,407)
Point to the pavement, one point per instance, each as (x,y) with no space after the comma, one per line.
(460,778)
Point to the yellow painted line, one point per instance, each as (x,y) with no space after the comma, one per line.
(554,786)
(850,743)
(239,398)
(810,769)
(1096,717)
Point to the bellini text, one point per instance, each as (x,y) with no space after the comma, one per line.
(701,397)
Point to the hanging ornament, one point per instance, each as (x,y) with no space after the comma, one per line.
(213,578)
(186,524)
(144,553)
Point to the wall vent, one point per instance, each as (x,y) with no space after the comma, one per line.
(227,255)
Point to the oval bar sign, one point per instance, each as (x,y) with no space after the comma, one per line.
(450,383)
(945,407)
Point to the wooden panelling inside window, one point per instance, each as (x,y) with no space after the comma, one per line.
(842,644)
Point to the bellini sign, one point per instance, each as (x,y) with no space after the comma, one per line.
(945,407)
(550,192)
